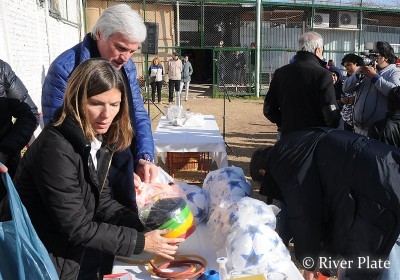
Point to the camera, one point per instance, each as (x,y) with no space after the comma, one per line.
(368,59)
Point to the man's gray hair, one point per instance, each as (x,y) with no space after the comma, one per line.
(310,41)
(120,19)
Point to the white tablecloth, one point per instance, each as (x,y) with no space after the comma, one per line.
(207,138)
(199,243)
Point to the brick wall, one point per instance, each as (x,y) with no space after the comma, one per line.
(33,44)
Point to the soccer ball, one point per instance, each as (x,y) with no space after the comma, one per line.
(239,187)
(254,211)
(255,249)
(225,173)
(198,201)
(246,249)
(224,190)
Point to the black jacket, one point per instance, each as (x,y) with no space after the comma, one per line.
(69,202)
(387,130)
(15,102)
(342,194)
(301,95)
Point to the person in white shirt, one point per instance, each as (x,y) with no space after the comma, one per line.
(174,75)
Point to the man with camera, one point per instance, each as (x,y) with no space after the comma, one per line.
(372,83)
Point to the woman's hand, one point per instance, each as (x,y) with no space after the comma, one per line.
(310,275)
(3,169)
(155,243)
(146,171)
(3,159)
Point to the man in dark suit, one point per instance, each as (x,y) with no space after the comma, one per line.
(301,94)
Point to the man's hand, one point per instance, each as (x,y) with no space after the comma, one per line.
(146,171)
(368,71)
(347,100)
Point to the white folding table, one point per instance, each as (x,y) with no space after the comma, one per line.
(182,139)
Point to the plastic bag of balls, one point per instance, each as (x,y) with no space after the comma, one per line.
(226,183)
(253,246)
(224,186)
(163,206)
(218,222)
(198,201)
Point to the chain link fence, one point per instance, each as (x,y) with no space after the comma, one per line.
(220,37)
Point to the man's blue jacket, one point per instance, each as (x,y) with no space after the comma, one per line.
(52,97)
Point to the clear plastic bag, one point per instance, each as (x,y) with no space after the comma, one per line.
(163,206)
(174,112)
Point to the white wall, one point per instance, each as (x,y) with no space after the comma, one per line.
(31,43)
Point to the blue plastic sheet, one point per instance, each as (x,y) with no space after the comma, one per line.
(22,254)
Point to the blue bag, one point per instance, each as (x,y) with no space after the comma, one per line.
(22,254)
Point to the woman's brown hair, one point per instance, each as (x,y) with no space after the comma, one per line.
(90,78)
(153,61)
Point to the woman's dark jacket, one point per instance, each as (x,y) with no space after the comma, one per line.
(63,193)
(342,194)
(387,130)
(15,102)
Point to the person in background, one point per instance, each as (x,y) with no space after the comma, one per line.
(387,130)
(372,84)
(175,68)
(63,177)
(330,63)
(116,35)
(351,62)
(252,61)
(156,72)
(239,64)
(187,72)
(222,61)
(336,213)
(337,84)
(15,102)
(301,93)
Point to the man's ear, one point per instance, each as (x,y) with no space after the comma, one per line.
(258,162)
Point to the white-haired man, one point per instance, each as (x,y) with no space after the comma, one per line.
(117,34)
(301,93)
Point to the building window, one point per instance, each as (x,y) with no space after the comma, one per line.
(66,11)
(55,8)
